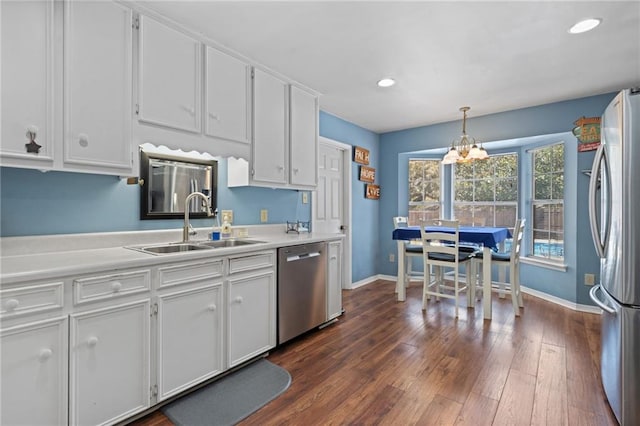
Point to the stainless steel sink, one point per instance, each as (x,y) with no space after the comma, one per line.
(195,245)
(228,243)
(173,248)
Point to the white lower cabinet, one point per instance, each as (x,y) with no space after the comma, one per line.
(99,348)
(334,280)
(251,306)
(109,363)
(251,316)
(190,337)
(34,373)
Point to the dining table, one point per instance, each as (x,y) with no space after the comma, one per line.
(489,238)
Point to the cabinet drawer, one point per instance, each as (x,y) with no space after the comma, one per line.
(187,272)
(32,299)
(105,287)
(251,262)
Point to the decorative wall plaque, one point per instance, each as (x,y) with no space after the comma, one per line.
(361,155)
(372,192)
(367,174)
(587,131)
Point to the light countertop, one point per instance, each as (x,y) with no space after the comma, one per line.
(46,257)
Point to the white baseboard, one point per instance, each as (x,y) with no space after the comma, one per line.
(539,294)
(562,302)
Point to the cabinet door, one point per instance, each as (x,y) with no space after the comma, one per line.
(190,325)
(34,374)
(334,280)
(228,97)
(303,168)
(109,363)
(27,54)
(98,68)
(169,77)
(270,128)
(252,319)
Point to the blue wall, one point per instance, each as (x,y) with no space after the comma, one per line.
(365,213)
(36,203)
(540,120)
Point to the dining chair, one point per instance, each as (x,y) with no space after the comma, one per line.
(512,260)
(411,251)
(442,250)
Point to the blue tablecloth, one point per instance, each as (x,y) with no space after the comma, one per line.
(484,235)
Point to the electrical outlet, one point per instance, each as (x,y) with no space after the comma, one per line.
(229,214)
(589,279)
(305,197)
(264,215)
(392,257)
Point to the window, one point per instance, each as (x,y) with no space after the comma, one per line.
(424,190)
(486,191)
(548,202)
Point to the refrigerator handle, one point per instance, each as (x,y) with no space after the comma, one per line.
(600,303)
(593,188)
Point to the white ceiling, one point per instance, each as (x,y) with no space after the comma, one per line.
(492,56)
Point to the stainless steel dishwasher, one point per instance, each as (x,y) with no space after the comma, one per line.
(302,289)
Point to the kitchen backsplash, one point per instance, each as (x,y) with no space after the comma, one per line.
(36,203)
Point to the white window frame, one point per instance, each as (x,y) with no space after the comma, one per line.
(493,203)
(555,260)
(438,203)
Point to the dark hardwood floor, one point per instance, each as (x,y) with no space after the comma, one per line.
(388,362)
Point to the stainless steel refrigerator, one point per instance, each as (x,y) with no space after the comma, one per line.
(614,211)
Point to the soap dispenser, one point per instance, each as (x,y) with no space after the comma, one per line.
(226,226)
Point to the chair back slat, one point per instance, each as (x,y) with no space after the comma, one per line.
(439,242)
(516,243)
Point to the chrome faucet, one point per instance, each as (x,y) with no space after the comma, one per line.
(187,202)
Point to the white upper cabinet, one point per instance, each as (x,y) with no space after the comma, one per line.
(303,170)
(169,68)
(27,51)
(285,137)
(270,129)
(227,97)
(98,99)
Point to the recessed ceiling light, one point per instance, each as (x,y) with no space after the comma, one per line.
(585,25)
(386,82)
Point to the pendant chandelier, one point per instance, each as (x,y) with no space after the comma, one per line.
(464,149)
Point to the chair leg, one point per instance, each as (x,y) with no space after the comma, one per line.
(517,280)
(514,291)
(456,289)
(425,286)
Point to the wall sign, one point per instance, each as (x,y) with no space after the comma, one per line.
(361,155)
(367,174)
(372,192)
(587,131)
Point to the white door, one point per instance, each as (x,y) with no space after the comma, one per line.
(169,77)
(27,56)
(34,373)
(227,97)
(109,363)
(270,128)
(303,170)
(190,338)
(332,199)
(98,64)
(251,316)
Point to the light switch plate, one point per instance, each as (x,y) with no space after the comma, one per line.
(229,214)
(305,197)
(264,215)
